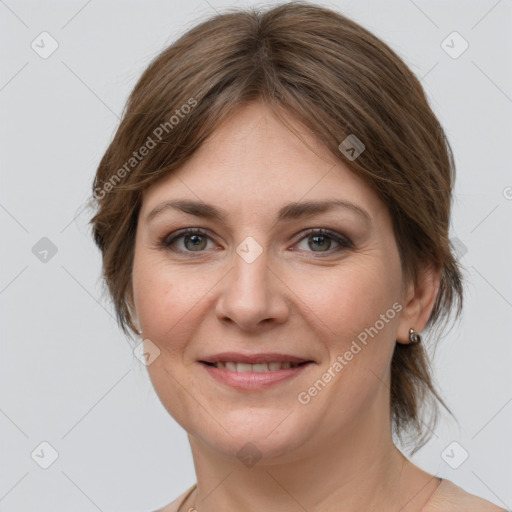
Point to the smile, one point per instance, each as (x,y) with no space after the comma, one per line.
(232,366)
(256,376)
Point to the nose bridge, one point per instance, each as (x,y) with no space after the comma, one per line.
(251,268)
(251,294)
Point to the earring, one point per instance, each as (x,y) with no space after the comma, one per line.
(414,337)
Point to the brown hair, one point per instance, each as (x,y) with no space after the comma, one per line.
(339,80)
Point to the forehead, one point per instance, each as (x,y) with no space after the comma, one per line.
(253,162)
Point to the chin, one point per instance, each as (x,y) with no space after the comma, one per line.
(253,439)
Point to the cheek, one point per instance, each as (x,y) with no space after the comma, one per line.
(351,298)
(358,308)
(152,291)
(164,298)
(164,302)
(356,317)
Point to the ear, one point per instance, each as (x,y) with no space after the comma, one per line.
(418,302)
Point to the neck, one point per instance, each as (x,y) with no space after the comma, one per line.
(359,469)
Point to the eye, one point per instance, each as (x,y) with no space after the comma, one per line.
(194,240)
(321,241)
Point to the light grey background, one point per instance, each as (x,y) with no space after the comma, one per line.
(67,375)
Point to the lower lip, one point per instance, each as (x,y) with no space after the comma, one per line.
(253,380)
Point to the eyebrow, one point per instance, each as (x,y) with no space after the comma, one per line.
(290,211)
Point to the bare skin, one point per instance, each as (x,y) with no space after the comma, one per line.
(334,452)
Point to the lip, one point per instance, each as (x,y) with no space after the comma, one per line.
(248,381)
(268,357)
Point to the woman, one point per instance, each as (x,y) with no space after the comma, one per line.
(273,216)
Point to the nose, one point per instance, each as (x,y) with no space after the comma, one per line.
(253,296)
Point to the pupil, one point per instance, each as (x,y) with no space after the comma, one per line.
(316,238)
(196,240)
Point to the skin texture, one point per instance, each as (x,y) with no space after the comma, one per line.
(312,301)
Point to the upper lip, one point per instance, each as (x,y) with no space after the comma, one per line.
(254,358)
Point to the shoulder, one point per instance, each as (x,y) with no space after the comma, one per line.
(174,505)
(449,497)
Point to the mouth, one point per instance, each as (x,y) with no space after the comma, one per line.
(252,372)
(268,362)
(274,366)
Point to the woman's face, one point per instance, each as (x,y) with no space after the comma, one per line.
(259,280)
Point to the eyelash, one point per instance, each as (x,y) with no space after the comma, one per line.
(343,241)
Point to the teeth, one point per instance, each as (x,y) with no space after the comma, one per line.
(243,367)
(258,367)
